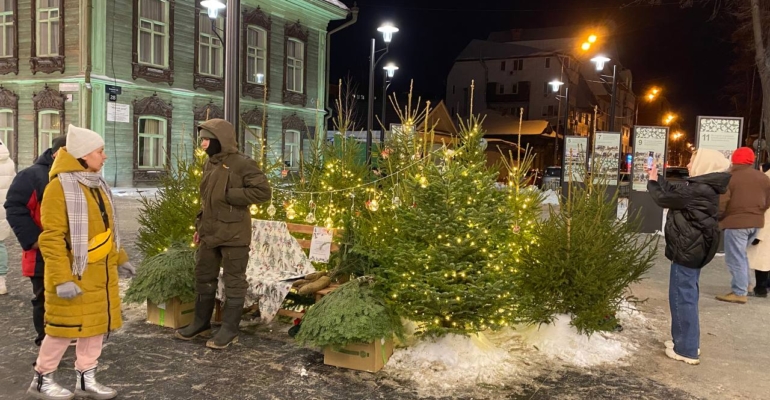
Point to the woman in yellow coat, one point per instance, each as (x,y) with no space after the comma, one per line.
(81,248)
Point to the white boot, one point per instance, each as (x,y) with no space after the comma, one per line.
(88,387)
(45,388)
(3,289)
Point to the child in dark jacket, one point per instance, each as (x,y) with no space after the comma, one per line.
(692,238)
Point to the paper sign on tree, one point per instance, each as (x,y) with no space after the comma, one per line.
(321,244)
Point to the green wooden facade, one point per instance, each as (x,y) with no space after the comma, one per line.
(100,40)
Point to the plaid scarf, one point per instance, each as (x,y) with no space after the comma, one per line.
(77,213)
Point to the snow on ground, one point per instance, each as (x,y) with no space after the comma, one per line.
(550,197)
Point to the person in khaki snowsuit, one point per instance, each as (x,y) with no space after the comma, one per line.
(231,183)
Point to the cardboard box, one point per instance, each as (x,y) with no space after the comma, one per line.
(171,314)
(370,357)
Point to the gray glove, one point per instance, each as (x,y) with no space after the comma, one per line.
(68,290)
(126,270)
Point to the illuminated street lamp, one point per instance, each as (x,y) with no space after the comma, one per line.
(586,46)
(213,7)
(231,43)
(592,39)
(669,118)
(388,30)
(600,62)
(390,72)
(555,85)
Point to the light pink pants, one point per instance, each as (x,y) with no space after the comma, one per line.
(52,350)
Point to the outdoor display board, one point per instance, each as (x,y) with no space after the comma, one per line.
(607,156)
(575,158)
(649,150)
(722,134)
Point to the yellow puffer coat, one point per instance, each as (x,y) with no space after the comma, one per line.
(97,310)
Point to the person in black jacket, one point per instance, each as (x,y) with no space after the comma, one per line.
(22,207)
(692,238)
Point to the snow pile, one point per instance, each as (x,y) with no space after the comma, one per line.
(561,341)
(550,197)
(456,361)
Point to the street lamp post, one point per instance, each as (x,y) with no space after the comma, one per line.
(387,31)
(600,62)
(556,87)
(390,72)
(232,22)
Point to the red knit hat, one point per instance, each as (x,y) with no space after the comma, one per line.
(743,156)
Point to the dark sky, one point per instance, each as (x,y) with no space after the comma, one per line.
(681,50)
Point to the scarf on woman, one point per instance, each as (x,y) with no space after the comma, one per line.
(77,213)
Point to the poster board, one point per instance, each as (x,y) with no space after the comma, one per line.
(607,155)
(722,134)
(575,158)
(650,145)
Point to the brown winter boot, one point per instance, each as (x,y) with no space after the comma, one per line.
(231,318)
(733,298)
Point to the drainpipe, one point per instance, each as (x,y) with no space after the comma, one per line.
(89,90)
(353,20)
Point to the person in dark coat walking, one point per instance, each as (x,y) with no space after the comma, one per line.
(22,207)
(231,183)
(692,238)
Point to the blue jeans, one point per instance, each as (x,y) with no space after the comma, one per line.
(736,243)
(683,294)
(3,259)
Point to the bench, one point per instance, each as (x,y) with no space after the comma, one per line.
(296,230)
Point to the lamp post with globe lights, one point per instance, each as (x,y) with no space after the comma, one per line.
(601,62)
(387,30)
(232,38)
(390,72)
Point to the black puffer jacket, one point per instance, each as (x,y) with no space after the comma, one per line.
(692,227)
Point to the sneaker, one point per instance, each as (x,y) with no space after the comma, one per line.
(733,298)
(672,355)
(3,289)
(670,345)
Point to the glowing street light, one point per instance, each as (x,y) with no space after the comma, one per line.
(555,85)
(600,61)
(586,46)
(391,68)
(213,7)
(669,118)
(592,39)
(387,29)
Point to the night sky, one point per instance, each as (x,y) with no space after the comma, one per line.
(681,50)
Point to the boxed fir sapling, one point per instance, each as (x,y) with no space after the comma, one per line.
(167,283)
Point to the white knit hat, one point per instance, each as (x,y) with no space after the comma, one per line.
(81,142)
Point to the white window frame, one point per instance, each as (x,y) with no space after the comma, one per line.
(163,131)
(255,142)
(293,64)
(6,21)
(51,32)
(206,43)
(153,33)
(52,133)
(293,148)
(253,55)
(7,132)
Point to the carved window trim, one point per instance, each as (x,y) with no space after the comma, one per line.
(208,82)
(9,101)
(258,19)
(255,117)
(43,101)
(152,106)
(149,72)
(293,123)
(297,32)
(11,64)
(46,64)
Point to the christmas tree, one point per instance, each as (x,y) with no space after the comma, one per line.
(442,254)
(583,262)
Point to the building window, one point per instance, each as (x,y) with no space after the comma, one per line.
(548,62)
(501,89)
(7,28)
(518,65)
(256,55)
(153,32)
(152,143)
(291,148)
(253,142)
(546,88)
(502,65)
(210,49)
(48,28)
(7,132)
(515,88)
(549,111)
(295,65)
(49,127)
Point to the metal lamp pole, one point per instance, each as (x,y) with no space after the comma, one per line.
(390,72)
(387,31)
(232,38)
(600,62)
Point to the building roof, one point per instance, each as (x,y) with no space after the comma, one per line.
(337,3)
(439,116)
(515,35)
(478,49)
(497,124)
